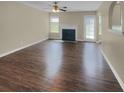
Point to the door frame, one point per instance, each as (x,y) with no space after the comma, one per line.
(95,29)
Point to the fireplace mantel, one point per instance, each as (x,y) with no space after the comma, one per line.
(65,26)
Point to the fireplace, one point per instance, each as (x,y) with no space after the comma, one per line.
(68,34)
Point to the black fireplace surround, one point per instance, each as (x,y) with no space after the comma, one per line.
(68,34)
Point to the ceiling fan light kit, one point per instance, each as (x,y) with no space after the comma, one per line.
(55,8)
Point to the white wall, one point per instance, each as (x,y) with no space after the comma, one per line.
(21,25)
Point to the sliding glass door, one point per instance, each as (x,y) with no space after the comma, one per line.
(90,28)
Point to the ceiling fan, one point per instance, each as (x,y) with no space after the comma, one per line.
(56,8)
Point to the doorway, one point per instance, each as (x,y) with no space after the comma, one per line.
(90,28)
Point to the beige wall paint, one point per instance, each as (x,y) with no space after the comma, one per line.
(72,19)
(112,43)
(116,18)
(21,25)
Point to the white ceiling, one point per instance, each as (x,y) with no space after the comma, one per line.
(72,5)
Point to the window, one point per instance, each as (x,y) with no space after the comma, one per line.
(100,25)
(54,24)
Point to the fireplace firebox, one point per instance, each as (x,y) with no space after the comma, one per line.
(68,34)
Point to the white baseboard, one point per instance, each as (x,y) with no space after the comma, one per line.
(86,40)
(113,70)
(79,40)
(5,54)
(98,42)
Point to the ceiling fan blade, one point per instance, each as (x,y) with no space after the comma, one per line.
(64,7)
(63,10)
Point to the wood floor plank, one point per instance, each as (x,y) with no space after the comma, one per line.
(57,66)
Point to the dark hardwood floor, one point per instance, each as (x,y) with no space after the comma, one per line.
(57,66)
